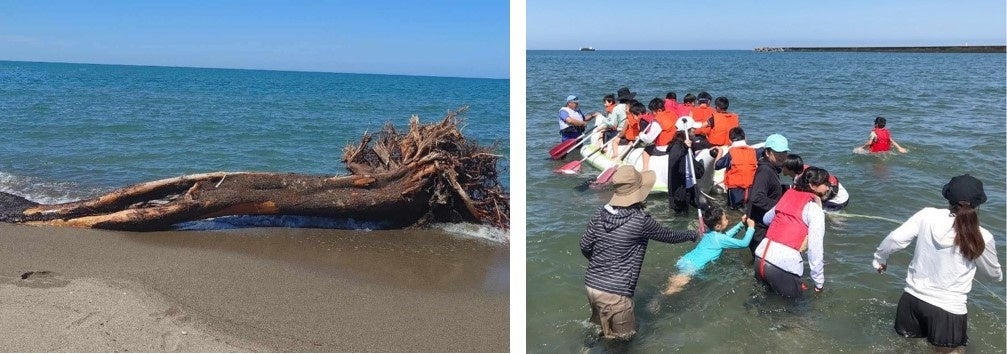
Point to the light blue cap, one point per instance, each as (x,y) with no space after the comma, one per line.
(778,143)
(572,98)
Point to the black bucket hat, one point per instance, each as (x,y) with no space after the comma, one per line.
(964,188)
(624,94)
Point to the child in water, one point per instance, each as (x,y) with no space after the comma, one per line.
(710,247)
(880,139)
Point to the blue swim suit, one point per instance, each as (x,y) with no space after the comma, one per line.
(711,246)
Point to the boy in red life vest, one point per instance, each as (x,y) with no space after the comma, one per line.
(880,139)
(720,124)
(741,161)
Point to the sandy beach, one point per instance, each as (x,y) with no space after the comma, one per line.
(263,289)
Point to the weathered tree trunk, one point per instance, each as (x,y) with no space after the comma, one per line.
(430,173)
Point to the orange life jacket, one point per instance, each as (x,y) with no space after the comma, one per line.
(788,225)
(701,113)
(632,126)
(723,122)
(667,121)
(744,162)
(883,142)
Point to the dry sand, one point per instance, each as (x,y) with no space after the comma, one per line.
(251,290)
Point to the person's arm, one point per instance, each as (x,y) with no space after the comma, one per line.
(897,240)
(870,140)
(649,135)
(724,161)
(768,218)
(816,239)
(731,242)
(657,232)
(896,145)
(706,128)
(759,192)
(588,239)
(988,260)
(570,120)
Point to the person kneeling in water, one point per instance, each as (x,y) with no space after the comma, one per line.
(710,246)
(796,224)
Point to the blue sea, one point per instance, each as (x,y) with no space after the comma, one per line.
(947,109)
(74,131)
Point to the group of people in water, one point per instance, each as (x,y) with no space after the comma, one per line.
(782,224)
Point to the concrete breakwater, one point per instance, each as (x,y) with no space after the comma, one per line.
(936,49)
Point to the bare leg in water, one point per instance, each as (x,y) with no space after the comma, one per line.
(676,283)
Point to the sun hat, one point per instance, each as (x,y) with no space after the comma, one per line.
(625,94)
(778,143)
(631,186)
(686,122)
(964,188)
(572,98)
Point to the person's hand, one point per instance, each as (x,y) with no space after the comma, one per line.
(818,200)
(882,268)
(748,221)
(688,143)
(902,150)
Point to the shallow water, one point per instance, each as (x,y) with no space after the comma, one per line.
(947,109)
(75,131)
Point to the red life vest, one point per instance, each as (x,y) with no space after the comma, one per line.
(723,122)
(743,166)
(883,142)
(788,225)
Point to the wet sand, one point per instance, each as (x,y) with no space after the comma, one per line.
(265,289)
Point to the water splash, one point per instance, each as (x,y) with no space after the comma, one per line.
(475,231)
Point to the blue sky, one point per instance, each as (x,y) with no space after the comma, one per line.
(737,24)
(432,38)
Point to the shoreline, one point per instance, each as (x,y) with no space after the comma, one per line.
(260,289)
(922,49)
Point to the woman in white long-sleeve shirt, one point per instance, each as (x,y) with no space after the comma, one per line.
(951,246)
(796,224)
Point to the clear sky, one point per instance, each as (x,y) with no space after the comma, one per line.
(742,24)
(432,37)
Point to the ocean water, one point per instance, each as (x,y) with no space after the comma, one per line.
(74,131)
(947,109)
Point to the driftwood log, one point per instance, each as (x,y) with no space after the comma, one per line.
(430,173)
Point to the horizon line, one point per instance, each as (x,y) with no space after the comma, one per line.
(783,46)
(253,69)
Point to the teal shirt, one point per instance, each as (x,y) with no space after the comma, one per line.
(711,246)
(617,119)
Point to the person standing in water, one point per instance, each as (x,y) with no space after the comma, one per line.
(571,120)
(766,187)
(950,246)
(614,244)
(880,139)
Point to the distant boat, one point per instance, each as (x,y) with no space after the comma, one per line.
(587,49)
